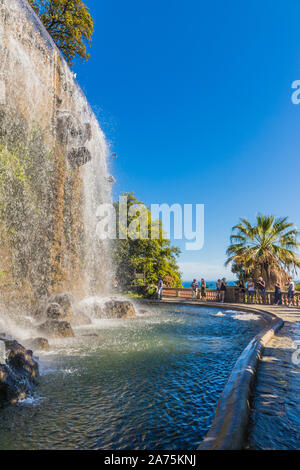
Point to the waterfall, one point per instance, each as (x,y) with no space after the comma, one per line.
(53,169)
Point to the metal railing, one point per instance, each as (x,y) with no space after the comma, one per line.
(232,295)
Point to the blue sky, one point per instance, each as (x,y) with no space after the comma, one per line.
(195,98)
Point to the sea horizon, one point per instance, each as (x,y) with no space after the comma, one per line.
(209,284)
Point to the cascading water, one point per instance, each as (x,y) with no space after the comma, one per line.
(96,189)
(53,176)
(53,170)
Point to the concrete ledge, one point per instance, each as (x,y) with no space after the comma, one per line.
(228,431)
(229,427)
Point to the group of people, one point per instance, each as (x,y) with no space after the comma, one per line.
(199,289)
(253,288)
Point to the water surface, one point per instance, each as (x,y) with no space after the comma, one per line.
(147,383)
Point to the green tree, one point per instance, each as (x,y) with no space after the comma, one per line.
(268,248)
(153,257)
(69,23)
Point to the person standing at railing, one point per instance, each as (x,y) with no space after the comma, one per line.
(218,288)
(203,289)
(194,287)
(242,291)
(291,293)
(278,293)
(251,291)
(262,288)
(160,286)
(223,289)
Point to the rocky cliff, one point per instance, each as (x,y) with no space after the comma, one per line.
(53,168)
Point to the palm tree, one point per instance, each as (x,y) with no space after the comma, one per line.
(266,249)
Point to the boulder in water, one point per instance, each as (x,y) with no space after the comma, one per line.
(55,312)
(118,309)
(21,359)
(39,344)
(56,329)
(97,307)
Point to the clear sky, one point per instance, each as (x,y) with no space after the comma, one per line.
(195,98)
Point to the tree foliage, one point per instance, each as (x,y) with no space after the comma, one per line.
(153,258)
(69,23)
(268,247)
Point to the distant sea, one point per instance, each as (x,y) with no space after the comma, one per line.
(209,284)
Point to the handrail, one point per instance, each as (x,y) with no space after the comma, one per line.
(232,295)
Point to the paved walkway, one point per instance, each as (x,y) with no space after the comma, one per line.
(275,415)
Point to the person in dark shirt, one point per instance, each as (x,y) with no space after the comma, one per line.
(278,293)
(194,287)
(262,288)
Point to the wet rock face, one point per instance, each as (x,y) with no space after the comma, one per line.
(47,131)
(64,299)
(14,130)
(119,309)
(56,329)
(75,134)
(18,374)
(71,131)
